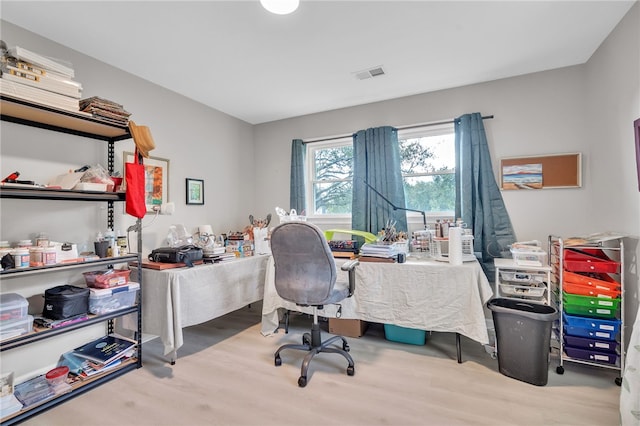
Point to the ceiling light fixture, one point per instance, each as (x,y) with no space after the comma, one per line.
(280,7)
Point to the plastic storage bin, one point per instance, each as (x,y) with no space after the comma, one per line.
(595,328)
(107,278)
(591,355)
(598,281)
(579,261)
(16,327)
(593,344)
(587,290)
(411,336)
(102,301)
(523,334)
(527,291)
(522,277)
(529,256)
(13,306)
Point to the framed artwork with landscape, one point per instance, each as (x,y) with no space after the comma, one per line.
(156,188)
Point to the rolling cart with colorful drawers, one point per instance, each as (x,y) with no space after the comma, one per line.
(588,288)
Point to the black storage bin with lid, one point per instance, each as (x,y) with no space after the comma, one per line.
(523,337)
(65,301)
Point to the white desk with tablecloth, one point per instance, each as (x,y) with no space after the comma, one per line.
(420,293)
(176,298)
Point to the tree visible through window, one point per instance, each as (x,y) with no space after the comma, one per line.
(428,170)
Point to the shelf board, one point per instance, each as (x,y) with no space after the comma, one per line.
(74,122)
(42,334)
(36,193)
(20,272)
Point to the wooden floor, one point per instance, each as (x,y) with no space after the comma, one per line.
(225,376)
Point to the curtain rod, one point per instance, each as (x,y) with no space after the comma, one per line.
(414,126)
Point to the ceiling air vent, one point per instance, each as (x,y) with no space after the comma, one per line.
(371,72)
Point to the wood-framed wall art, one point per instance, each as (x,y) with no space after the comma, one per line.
(636,130)
(156,181)
(541,172)
(195,191)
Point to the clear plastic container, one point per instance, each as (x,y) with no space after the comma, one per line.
(13,306)
(102,301)
(17,327)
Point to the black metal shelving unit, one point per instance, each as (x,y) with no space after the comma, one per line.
(79,124)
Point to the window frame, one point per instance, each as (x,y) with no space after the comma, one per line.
(413,132)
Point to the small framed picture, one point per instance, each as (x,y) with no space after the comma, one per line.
(195,191)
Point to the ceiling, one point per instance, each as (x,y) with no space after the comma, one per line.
(240,59)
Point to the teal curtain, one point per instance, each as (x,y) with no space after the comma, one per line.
(376,160)
(297,188)
(478,199)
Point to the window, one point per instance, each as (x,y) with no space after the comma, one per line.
(428,169)
(331,166)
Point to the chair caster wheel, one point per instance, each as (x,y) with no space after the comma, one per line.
(560,369)
(306,340)
(345,346)
(302,381)
(277,361)
(351,370)
(618,381)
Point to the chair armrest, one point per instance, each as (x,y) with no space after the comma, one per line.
(350,266)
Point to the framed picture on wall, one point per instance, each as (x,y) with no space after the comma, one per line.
(156,180)
(195,191)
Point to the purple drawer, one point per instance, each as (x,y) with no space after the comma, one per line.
(589,355)
(591,344)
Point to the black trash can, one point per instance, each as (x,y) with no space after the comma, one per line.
(523,335)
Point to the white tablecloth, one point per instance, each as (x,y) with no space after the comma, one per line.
(422,294)
(176,298)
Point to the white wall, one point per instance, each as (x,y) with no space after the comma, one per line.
(199,142)
(613,103)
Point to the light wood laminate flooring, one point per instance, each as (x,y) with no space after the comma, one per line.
(225,375)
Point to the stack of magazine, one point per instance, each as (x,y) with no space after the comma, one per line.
(37,78)
(98,356)
(106,110)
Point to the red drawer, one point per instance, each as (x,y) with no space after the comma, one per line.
(578,261)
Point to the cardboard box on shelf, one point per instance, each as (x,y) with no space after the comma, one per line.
(347,327)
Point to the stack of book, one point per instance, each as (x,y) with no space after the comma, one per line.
(105,110)
(379,252)
(98,356)
(36,78)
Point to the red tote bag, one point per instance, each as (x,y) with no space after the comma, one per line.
(134,175)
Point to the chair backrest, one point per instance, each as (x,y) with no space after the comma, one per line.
(305,271)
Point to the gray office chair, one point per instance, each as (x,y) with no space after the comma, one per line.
(305,274)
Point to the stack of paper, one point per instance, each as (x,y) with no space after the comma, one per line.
(37,78)
(379,250)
